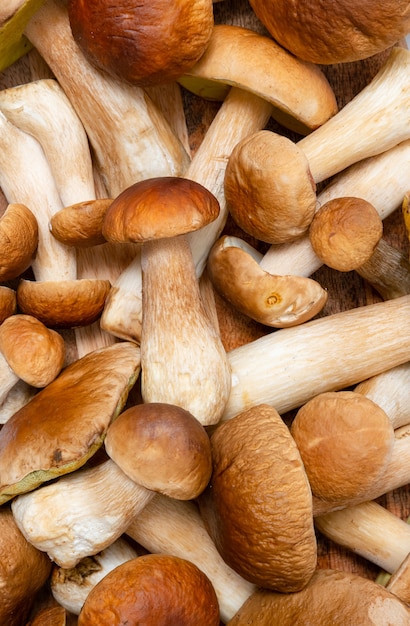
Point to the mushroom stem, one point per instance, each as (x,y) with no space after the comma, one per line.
(291,365)
(387,270)
(8,378)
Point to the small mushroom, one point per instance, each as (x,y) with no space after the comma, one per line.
(8,302)
(258,505)
(278,301)
(18,240)
(156,590)
(80,224)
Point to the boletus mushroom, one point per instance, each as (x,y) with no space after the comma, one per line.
(258,504)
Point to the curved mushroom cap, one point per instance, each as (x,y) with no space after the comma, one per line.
(330,597)
(239,57)
(8,302)
(258,505)
(23,571)
(162,447)
(65,303)
(147,42)
(278,301)
(328,33)
(34,352)
(269,189)
(54,615)
(18,240)
(345,232)
(80,224)
(338,432)
(159,207)
(154,590)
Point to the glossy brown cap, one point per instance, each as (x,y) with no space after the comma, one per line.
(154,590)
(345,441)
(18,240)
(65,303)
(258,505)
(34,352)
(147,42)
(80,224)
(159,207)
(162,447)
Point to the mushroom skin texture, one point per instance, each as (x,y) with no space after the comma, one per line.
(146,43)
(344,232)
(330,33)
(80,224)
(154,590)
(338,432)
(331,597)
(18,240)
(162,447)
(8,302)
(258,505)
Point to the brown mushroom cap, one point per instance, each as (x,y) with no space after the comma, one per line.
(345,441)
(330,597)
(18,240)
(65,303)
(23,571)
(8,302)
(80,224)
(54,615)
(258,505)
(329,33)
(145,42)
(269,189)
(162,447)
(345,232)
(154,590)
(160,207)
(34,352)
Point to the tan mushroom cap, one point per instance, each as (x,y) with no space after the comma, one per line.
(162,447)
(8,302)
(239,57)
(65,423)
(23,571)
(157,208)
(154,590)
(80,224)
(147,42)
(345,232)
(258,505)
(65,303)
(345,441)
(18,240)
(54,615)
(330,597)
(34,352)
(329,33)
(277,301)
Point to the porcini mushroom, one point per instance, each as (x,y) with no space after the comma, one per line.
(158,213)
(258,505)
(80,224)
(18,240)
(8,302)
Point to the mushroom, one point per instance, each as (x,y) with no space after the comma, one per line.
(326,35)
(258,505)
(155,589)
(64,424)
(14,16)
(146,43)
(23,571)
(80,224)
(18,240)
(158,213)
(278,301)
(8,302)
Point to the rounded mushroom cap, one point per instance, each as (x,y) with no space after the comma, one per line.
(329,33)
(80,224)
(8,302)
(338,432)
(65,303)
(155,589)
(258,505)
(345,232)
(163,448)
(145,42)
(18,240)
(330,597)
(54,615)
(269,189)
(157,208)
(34,352)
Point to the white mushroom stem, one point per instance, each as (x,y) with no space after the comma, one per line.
(382,180)
(17,397)
(8,378)
(129,135)
(240,114)
(174,527)
(91,508)
(399,582)
(291,365)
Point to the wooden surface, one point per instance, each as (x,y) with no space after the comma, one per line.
(346,290)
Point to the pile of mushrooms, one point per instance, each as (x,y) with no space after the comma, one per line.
(149,473)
